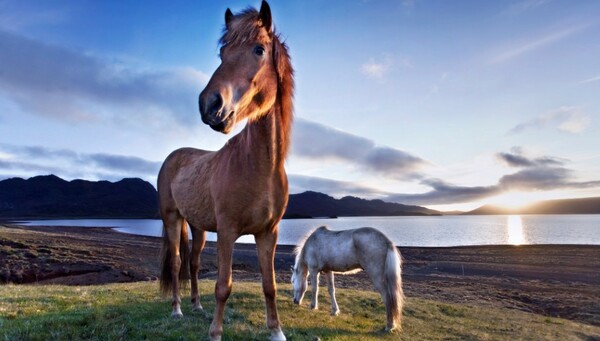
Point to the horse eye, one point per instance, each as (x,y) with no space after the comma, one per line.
(259,50)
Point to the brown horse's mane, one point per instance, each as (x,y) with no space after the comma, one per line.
(245,26)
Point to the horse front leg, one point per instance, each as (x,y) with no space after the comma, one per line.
(314,281)
(223,285)
(265,247)
(335,310)
(198,240)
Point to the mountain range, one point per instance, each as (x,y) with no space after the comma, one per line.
(315,204)
(49,196)
(562,206)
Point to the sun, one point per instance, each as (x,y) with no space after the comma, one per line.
(513,200)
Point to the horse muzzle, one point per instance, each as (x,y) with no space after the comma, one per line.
(215,114)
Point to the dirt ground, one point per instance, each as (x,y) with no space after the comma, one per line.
(553,280)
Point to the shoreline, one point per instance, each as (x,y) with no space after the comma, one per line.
(549,279)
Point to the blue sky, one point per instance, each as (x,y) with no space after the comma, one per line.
(447,104)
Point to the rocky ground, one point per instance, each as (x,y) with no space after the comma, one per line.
(554,280)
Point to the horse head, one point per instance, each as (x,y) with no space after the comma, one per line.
(300,283)
(245,83)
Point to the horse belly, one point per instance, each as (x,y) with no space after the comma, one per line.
(199,213)
(342,265)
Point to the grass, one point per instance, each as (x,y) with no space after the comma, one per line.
(135,311)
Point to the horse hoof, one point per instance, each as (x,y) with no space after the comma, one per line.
(215,338)
(176,313)
(335,313)
(390,330)
(277,335)
(198,309)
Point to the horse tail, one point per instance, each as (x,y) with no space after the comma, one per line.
(166,279)
(184,254)
(393,285)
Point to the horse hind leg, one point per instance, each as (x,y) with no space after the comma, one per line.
(377,272)
(198,240)
(174,225)
(335,310)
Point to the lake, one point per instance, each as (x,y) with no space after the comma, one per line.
(407,231)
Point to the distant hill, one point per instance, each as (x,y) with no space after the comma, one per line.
(52,197)
(562,206)
(49,196)
(315,204)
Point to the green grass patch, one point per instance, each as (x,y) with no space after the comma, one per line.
(135,311)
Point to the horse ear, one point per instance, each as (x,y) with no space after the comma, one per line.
(265,15)
(228,17)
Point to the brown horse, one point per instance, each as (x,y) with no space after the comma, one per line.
(242,188)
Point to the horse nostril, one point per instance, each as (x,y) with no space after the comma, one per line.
(210,105)
(215,105)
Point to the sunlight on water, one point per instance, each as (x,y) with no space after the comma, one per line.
(514,229)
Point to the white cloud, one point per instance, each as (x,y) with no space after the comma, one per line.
(319,142)
(378,69)
(591,80)
(575,123)
(67,163)
(63,84)
(568,119)
(374,70)
(525,6)
(336,188)
(545,173)
(516,50)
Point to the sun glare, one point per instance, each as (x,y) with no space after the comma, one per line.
(514,230)
(513,200)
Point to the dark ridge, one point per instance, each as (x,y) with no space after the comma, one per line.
(315,204)
(49,196)
(562,206)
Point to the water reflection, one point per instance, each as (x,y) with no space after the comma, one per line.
(411,231)
(514,229)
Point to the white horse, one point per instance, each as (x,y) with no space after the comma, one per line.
(346,252)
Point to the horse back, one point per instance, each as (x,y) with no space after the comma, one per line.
(370,241)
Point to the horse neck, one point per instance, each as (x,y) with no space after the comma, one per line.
(267,138)
(300,263)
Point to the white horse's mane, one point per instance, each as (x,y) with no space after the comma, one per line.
(300,246)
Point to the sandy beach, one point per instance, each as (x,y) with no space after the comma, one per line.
(553,280)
